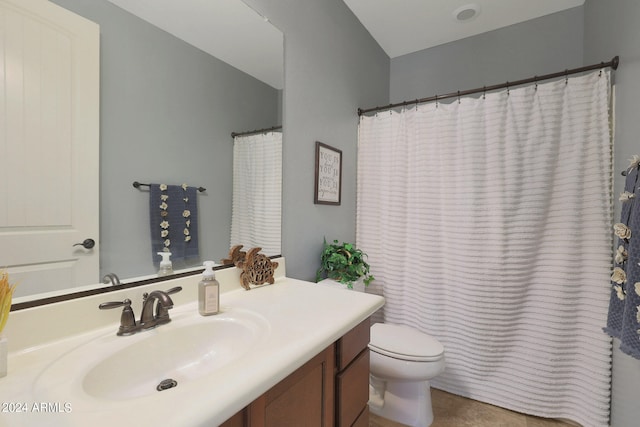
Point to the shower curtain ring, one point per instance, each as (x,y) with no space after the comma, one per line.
(484,92)
(458,97)
(436,100)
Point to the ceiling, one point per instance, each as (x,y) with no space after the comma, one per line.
(399,26)
(405,26)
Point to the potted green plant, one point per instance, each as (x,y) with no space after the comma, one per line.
(343,263)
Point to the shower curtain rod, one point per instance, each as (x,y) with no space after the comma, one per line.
(255,132)
(613,64)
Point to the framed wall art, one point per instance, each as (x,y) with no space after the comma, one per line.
(328,188)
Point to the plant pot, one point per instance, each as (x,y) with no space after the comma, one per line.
(4,356)
(358,285)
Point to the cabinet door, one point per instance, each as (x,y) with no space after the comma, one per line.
(238,420)
(352,387)
(303,398)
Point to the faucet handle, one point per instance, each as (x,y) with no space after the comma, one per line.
(127,318)
(169,292)
(114,304)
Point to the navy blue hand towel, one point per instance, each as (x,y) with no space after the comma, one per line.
(173,214)
(624,304)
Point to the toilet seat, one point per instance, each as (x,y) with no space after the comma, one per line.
(403,342)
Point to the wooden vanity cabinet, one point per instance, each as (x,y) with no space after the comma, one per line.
(352,377)
(331,389)
(306,394)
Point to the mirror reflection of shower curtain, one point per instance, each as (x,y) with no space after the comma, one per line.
(257,192)
(488,225)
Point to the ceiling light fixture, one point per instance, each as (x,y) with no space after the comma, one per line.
(466,13)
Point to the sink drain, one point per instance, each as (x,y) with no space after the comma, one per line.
(166,384)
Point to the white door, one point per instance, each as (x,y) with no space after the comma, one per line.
(49,133)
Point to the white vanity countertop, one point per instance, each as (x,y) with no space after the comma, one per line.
(303,319)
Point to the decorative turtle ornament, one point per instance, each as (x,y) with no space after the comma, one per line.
(256,268)
(235,256)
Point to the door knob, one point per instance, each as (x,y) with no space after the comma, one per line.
(87,243)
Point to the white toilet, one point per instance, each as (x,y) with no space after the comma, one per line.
(403,360)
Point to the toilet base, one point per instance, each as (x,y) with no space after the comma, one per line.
(406,402)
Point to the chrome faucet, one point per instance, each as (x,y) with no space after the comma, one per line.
(148,320)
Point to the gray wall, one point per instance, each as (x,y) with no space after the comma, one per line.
(332,67)
(167,111)
(612,28)
(544,45)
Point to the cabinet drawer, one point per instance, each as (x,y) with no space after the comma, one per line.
(352,343)
(352,390)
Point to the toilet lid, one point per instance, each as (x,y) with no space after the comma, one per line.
(403,342)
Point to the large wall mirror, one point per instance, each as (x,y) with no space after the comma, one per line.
(177,78)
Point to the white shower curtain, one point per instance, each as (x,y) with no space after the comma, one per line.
(487,222)
(257,189)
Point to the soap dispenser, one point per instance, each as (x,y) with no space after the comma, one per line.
(208,291)
(166,267)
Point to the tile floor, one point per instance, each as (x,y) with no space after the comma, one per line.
(450,410)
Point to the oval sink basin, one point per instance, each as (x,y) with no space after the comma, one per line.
(188,348)
(180,354)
